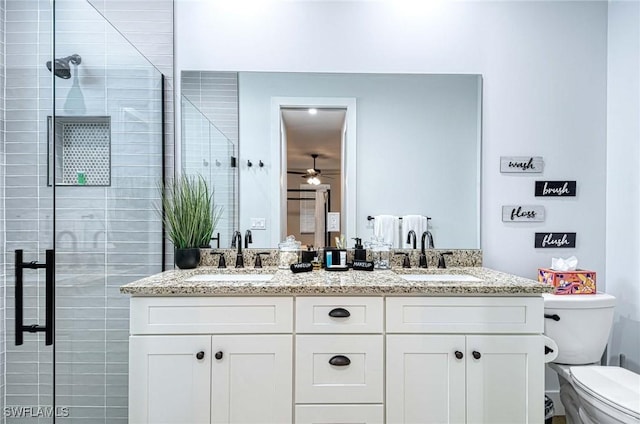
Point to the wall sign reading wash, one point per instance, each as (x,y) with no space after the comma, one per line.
(555,240)
(555,188)
(523,213)
(521,164)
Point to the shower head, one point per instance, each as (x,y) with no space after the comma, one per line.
(62,68)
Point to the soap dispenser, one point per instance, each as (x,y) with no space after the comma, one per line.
(360,253)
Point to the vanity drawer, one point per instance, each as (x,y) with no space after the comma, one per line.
(339,315)
(339,414)
(339,369)
(211,315)
(467,315)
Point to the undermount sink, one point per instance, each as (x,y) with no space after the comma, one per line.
(231,277)
(439,277)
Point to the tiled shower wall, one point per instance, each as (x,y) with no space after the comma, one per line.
(210,138)
(207,152)
(105,236)
(148,25)
(2,230)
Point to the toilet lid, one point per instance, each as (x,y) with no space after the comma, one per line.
(615,386)
(578,301)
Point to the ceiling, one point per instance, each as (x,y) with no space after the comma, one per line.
(309,134)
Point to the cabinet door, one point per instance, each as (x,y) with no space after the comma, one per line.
(169,379)
(251,379)
(425,379)
(505,379)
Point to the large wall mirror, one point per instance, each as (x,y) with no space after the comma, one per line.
(317,154)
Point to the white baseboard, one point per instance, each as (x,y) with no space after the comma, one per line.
(557,404)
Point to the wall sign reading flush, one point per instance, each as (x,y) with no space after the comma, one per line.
(333,222)
(554,240)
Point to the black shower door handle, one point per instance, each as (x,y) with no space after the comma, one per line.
(20,328)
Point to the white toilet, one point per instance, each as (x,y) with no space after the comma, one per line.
(590,393)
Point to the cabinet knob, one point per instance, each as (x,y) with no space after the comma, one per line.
(459,354)
(476,354)
(340,361)
(200,355)
(218,355)
(339,313)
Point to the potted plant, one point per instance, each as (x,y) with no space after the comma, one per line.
(190,217)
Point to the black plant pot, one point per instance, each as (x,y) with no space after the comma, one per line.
(187,258)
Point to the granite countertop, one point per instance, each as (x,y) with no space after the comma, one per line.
(362,283)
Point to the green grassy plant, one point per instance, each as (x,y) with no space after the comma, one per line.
(190,215)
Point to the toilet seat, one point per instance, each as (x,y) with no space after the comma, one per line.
(613,390)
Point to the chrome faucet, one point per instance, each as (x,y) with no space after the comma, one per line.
(423,254)
(411,238)
(236,240)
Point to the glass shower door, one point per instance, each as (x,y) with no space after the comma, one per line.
(28,243)
(108,130)
(83,159)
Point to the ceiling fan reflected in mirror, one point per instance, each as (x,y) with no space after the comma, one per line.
(312,175)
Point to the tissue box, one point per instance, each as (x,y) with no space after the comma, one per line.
(579,281)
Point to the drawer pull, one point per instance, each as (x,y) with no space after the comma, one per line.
(554,317)
(339,313)
(459,354)
(340,361)
(218,355)
(200,355)
(476,354)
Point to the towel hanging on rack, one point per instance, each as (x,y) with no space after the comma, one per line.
(417,223)
(387,228)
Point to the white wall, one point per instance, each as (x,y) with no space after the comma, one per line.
(544,73)
(623,176)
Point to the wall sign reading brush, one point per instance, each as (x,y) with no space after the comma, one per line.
(523,213)
(555,188)
(555,240)
(521,164)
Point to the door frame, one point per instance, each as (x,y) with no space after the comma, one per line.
(279,153)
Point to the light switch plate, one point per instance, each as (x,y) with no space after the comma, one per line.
(333,221)
(258,223)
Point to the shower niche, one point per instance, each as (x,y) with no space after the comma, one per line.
(79,149)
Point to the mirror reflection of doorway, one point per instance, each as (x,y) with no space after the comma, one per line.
(314,138)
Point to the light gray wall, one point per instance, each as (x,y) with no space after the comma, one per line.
(623,190)
(417,148)
(544,91)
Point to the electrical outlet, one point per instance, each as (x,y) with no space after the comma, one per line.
(258,223)
(333,222)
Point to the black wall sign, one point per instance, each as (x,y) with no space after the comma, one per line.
(555,240)
(555,188)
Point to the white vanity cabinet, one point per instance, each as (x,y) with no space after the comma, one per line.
(336,359)
(464,360)
(211,360)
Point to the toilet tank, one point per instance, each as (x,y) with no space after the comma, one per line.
(583,329)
